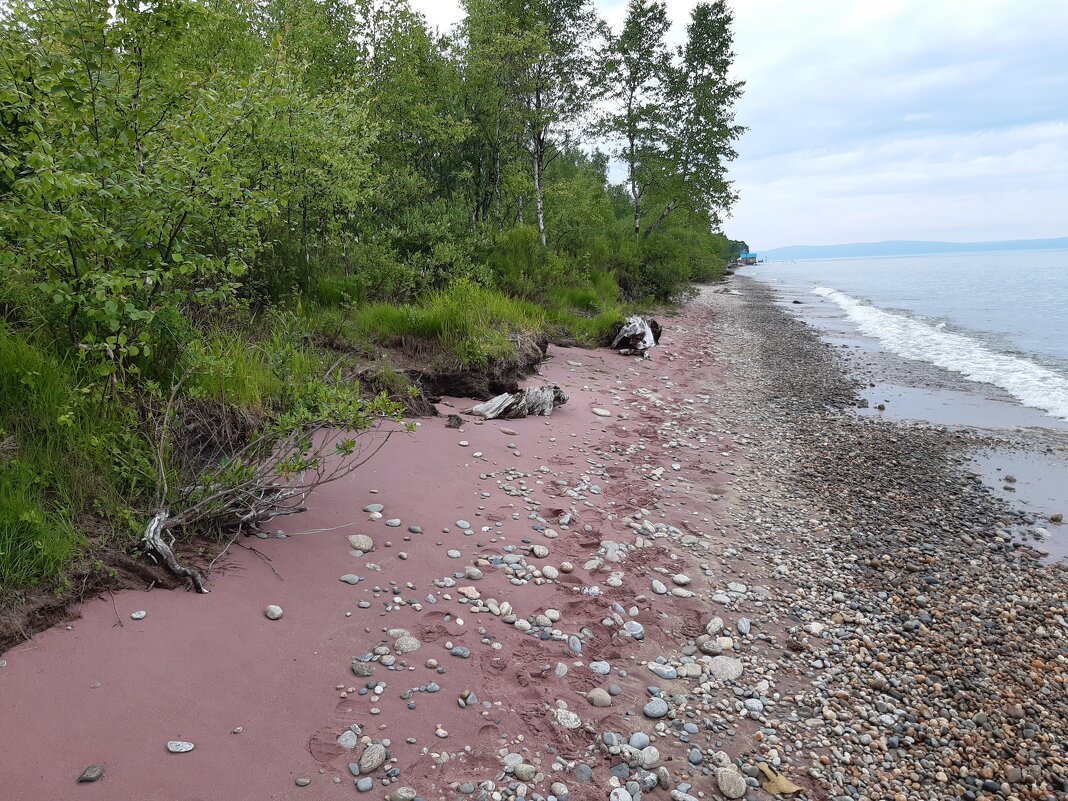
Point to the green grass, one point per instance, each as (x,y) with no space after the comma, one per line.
(335,289)
(476,325)
(256,375)
(589,313)
(471,323)
(36,541)
(65,454)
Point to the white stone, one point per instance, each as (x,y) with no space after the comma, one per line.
(361,542)
(568,719)
(725,668)
(730,782)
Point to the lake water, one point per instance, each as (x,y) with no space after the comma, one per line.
(998,318)
(977,340)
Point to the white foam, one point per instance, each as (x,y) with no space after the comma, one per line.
(1030,383)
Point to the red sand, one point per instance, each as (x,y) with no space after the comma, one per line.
(199,666)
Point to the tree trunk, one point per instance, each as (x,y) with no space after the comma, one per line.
(674,204)
(634,194)
(539,194)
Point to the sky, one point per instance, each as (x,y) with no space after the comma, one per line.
(872,120)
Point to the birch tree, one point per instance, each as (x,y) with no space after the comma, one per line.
(638,68)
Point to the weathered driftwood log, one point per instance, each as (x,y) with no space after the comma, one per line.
(154,544)
(636,336)
(531,401)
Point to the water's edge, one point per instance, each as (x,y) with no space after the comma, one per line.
(1030,467)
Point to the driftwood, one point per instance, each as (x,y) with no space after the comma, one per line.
(636,336)
(153,543)
(530,401)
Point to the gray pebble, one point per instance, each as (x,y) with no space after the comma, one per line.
(656,708)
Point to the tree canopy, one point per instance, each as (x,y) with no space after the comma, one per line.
(206,191)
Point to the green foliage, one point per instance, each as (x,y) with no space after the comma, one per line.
(35,543)
(65,454)
(255,375)
(471,324)
(189,187)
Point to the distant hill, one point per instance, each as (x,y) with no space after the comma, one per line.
(907,248)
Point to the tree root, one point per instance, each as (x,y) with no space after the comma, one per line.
(154,545)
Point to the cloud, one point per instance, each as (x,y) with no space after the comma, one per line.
(900,120)
(896,119)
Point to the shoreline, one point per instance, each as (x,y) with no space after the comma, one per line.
(833,596)
(1025,444)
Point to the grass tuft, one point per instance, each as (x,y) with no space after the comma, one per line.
(471,323)
(66,455)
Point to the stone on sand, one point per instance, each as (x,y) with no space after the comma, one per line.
(361,542)
(372,758)
(599,697)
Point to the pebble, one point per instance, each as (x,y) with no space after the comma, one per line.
(656,708)
(525,772)
(302,782)
(273,612)
(665,672)
(365,784)
(725,668)
(730,782)
(601,412)
(361,542)
(568,719)
(406,644)
(179,746)
(139,615)
(91,774)
(372,758)
(599,697)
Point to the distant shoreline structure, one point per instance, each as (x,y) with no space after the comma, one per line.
(907,248)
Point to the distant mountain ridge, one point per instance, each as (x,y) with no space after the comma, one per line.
(903,247)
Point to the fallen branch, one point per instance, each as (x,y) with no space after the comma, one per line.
(319,441)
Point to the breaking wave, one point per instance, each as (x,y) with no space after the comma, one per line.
(1030,383)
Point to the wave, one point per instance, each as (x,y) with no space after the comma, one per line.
(1028,382)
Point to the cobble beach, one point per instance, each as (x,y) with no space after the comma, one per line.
(704,574)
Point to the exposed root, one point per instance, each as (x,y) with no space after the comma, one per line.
(154,545)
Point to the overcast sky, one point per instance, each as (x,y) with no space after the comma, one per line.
(896,119)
